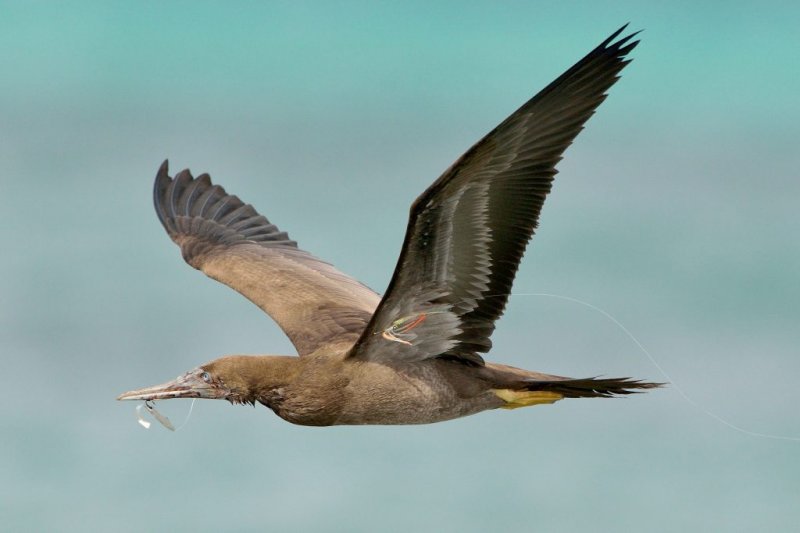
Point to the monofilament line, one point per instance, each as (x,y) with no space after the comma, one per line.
(189,414)
(663,372)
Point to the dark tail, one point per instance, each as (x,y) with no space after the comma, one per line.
(589,387)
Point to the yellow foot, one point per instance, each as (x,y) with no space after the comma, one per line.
(524,398)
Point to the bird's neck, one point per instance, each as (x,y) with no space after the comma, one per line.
(262,377)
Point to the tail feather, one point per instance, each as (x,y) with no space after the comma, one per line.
(590,387)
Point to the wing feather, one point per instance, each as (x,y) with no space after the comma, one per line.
(468,231)
(314,304)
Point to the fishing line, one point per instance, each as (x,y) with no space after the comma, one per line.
(663,372)
(191,408)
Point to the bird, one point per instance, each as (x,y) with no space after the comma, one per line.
(416,354)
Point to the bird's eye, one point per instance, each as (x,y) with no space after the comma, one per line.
(206,377)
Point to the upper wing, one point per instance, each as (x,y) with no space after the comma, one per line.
(311,301)
(467,232)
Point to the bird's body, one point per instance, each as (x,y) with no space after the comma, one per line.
(327,391)
(413,355)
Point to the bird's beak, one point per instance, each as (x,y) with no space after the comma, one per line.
(189,385)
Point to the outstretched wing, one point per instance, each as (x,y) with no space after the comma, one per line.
(467,232)
(312,302)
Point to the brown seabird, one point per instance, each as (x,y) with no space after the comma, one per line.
(413,356)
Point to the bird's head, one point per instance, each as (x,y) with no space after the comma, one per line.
(222,379)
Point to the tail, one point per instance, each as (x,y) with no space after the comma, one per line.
(521,388)
(590,387)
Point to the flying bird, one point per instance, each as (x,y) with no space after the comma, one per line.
(415,355)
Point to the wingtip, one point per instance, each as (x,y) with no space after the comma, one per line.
(160,186)
(610,43)
(162,177)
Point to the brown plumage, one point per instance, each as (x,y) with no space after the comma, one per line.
(415,355)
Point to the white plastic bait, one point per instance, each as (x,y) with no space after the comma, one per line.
(163,420)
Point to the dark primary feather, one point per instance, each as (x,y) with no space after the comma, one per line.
(315,304)
(468,231)
(193,206)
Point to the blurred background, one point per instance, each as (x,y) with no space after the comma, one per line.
(675,211)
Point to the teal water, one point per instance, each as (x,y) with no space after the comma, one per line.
(676,211)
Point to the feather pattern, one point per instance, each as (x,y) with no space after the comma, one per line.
(468,231)
(315,304)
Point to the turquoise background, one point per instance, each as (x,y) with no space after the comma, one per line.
(676,211)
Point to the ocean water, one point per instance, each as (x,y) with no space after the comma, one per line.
(675,211)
